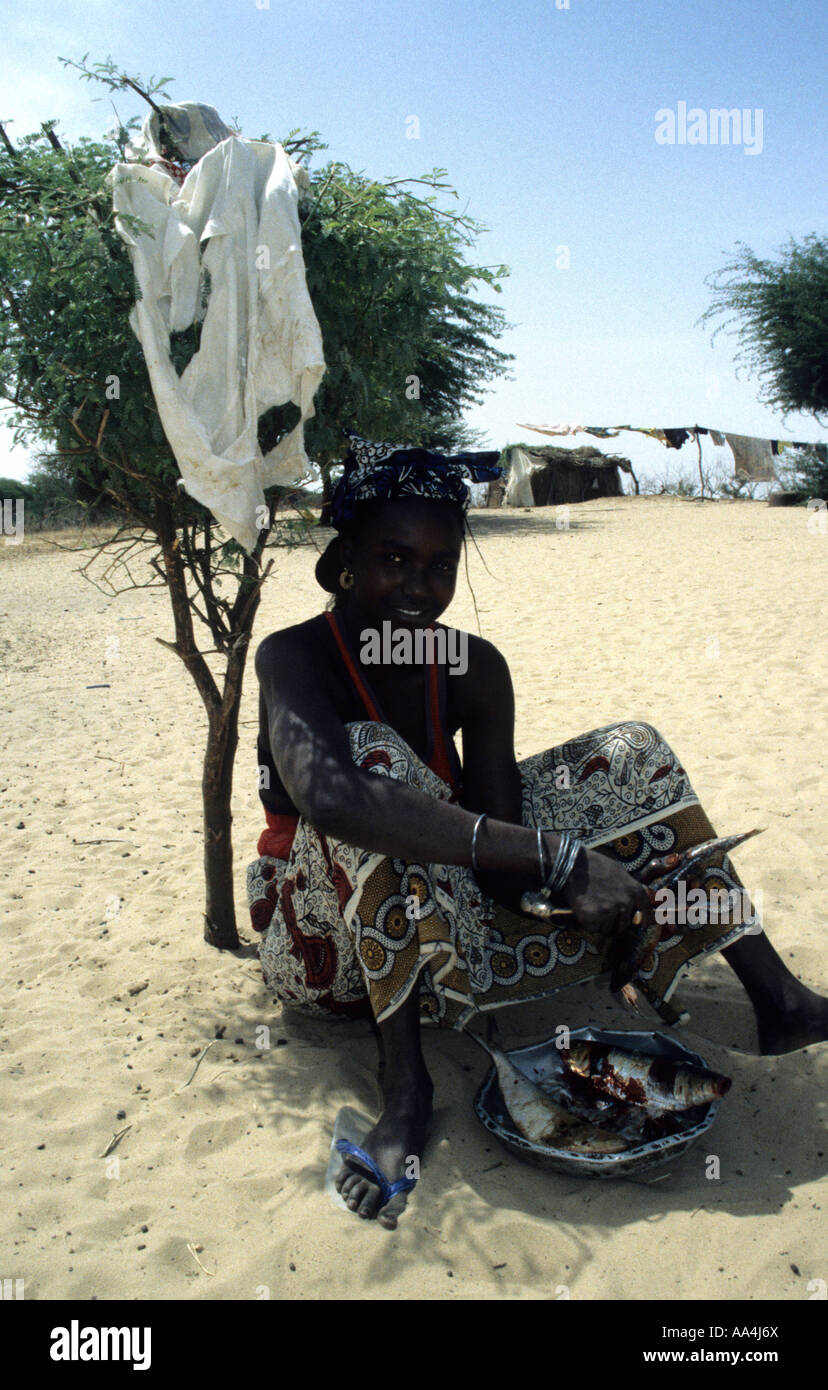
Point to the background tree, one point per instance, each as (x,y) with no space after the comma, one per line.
(805,471)
(407,349)
(779,311)
(53,500)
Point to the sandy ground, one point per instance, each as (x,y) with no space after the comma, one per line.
(706,620)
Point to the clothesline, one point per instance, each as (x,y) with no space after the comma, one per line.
(752,455)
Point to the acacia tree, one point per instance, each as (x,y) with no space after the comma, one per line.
(407,348)
(779,311)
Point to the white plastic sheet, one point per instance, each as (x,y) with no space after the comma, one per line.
(235,217)
(519,488)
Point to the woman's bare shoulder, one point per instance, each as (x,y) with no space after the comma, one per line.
(485,661)
(485,683)
(300,640)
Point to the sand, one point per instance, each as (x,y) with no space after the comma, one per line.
(705,620)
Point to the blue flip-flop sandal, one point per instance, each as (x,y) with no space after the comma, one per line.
(387,1189)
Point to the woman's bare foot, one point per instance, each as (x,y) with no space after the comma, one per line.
(802,1021)
(397,1138)
(789,1015)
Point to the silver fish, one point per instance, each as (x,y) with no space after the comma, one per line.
(653,1082)
(630,948)
(698,855)
(539,1119)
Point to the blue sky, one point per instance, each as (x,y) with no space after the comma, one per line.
(545,119)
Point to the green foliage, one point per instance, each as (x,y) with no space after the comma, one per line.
(779,310)
(806,473)
(387,277)
(69,361)
(12,490)
(738,489)
(116,79)
(407,346)
(53,499)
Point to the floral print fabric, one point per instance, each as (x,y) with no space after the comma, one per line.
(350,931)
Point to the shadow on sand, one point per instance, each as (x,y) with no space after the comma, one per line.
(766,1138)
(536,521)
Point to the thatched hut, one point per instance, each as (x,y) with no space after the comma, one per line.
(549,476)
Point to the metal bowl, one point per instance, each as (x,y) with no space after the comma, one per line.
(543,1064)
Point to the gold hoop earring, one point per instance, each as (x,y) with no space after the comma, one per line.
(346,579)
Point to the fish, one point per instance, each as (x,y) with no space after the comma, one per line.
(653,1082)
(539,1119)
(629,948)
(698,855)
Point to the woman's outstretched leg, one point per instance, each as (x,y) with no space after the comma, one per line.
(788,1014)
(400,1133)
(610,780)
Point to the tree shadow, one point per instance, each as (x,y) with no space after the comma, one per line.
(532,521)
(750,1163)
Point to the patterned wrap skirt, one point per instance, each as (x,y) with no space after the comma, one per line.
(350,931)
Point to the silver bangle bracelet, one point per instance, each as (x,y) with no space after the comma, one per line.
(568,850)
(574,849)
(477,825)
(555,878)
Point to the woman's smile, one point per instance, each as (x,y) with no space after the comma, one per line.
(421,614)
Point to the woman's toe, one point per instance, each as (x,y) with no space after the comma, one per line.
(390,1212)
(356,1193)
(345,1182)
(369,1206)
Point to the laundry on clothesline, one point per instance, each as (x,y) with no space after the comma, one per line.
(752,456)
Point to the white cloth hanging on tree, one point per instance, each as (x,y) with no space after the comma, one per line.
(235,217)
(191,127)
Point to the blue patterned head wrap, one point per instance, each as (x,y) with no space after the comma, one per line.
(386,472)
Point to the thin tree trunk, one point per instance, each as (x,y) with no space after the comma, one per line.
(219,759)
(327,483)
(185,644)
(217,791)
(223,723)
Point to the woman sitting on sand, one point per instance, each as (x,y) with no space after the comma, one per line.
(390,876)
